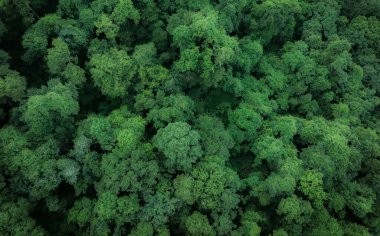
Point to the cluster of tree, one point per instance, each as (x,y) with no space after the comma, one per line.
(203,117)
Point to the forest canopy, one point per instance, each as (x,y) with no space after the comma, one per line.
(200,117)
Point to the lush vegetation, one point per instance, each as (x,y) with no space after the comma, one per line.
(202,117)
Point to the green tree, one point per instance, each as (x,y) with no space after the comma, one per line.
(197,224)
(112,72)
(58,56)
(12,84)
(180,146)
(52,111)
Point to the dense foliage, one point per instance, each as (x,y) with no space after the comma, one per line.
(202,117)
